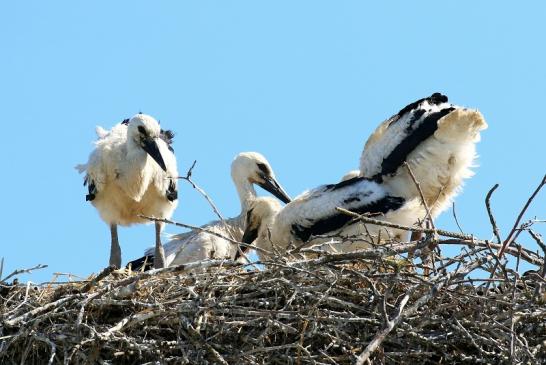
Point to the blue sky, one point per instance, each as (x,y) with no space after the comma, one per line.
(303,82)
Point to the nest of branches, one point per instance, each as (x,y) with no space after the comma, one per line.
(335,309)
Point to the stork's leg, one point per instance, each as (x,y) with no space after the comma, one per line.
(115,250)
(415,236)
(159,256)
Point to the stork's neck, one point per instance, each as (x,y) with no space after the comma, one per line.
(135,153)
(246,192)
(134,175)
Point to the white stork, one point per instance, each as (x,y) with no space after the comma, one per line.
(132,172)
(437,140)
(247,168)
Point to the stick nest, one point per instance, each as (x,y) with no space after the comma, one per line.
(336,309)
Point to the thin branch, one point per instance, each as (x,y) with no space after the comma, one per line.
(428,215)
(440,232)
(381,335)
(23,271)
(455,217)
(200,229)
(538,239)
(201,191)
(496,231)
(510,237)
(103,274)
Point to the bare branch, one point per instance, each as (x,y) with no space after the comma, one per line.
(510,237)
(201,191)
(428,216)
(22,271)
(490,213)
(441,232)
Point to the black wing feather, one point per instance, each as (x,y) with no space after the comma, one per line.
(167,136)
(172,193)
(415,137)
(145,263)
(249,235)
(338,220)
(434,99)
(91,188)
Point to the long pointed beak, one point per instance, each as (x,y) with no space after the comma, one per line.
(271,185)
(150,146)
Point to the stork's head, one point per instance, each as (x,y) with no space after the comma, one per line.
(144,130)
(254,168)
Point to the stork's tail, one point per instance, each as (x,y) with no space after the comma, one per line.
(461,124)
(101,132)
(81,168)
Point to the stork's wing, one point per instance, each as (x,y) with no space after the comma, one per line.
(143,263)
(168,181)
(316,212)
(91,187)
(167,136)
(172,192)
(391,143)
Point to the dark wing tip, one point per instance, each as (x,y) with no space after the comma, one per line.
(172,193)
(342,184)
(167,136)
(92,189)
(437,98)
(301,232)
(145,263)
(125,121)
(434,99)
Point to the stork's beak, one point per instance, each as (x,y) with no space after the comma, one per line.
(271,185)
(150,146)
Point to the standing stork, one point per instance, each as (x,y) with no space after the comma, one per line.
(247,169)
(132,173)
(436,139)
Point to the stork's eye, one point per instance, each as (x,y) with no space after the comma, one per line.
(141,129)
(264,169)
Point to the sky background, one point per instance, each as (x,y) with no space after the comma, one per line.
(303,82)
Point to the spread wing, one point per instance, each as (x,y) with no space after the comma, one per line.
(389,146)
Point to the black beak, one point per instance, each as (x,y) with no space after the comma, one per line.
(271,185)
(150,146)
